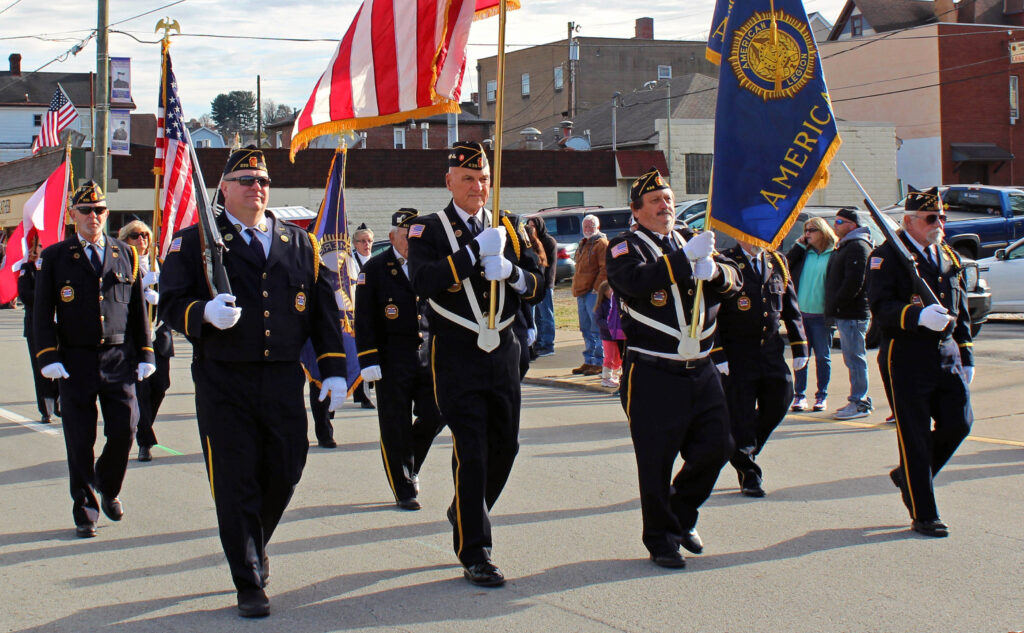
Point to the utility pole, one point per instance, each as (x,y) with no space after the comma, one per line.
(668,128)
(574,56)
(615,128)
(102,94)
(259,115)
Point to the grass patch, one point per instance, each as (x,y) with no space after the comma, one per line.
(566,317)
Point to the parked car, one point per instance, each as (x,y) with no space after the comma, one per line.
(688,208)
(1004,273)
(979,297)
(565,224)
(981,218)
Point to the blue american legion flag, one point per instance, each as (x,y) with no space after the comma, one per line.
(775,132)
(331,230)
(58,117)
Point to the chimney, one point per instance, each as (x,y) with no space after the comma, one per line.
(15,60)
(644,29)
(945,11)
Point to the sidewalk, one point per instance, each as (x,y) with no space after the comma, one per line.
(556,370)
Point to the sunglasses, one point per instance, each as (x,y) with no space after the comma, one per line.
(90,210)
(248,181)
(812,230)
(932,218)
(840,221)
(136,236)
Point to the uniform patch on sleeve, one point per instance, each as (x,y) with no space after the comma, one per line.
(416,230)
(620,249)
(876,263)
(361,279)
(175,246)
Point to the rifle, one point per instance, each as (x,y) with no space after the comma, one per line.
(210,239)
(908,261)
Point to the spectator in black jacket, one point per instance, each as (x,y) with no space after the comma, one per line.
(544,312)
(46,390)
(846,301)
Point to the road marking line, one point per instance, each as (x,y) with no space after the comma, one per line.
(862,425)
(28,424)
(169,450)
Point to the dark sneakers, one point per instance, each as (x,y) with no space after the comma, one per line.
(253,603)
(485,574)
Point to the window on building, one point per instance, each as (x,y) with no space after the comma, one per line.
(399,138)
(698,172)
(492,90)
(37,120)
(559,80)
(1014,99)
(425,131)
(570,198)
(664,72)
(856,25)
(279,142)
(525,90)
(203,143)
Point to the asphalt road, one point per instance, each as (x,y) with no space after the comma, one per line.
(828,549)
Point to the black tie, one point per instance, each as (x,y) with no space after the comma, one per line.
(94,257)
(755,263)
(931,257)
(257,247)
(667,245)
(474,225)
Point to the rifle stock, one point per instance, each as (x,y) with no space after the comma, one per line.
(210,238)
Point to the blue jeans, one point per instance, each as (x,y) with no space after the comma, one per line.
(819,338)
(855,355)
(544,320)
(593,351)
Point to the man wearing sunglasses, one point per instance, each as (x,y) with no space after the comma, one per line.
(92,335)
(846,301)
(928,351)
(248,379)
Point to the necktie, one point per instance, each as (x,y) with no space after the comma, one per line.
(474,225)
(256,246)
(931,257)
(667,245)
(94,257)
(755,263)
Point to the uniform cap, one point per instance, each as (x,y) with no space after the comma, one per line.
(649,181)
(468,154)
(249,157)
(403,216)
(927,200)
(89,192)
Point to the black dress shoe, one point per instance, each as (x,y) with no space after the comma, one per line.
(145,454)
(112,507)
(409,504)
(670,560)
(753,489)
(451,514)
(327,444)
(253,603)
(45,419)
(932,527)
(85,530)
(900,481)
(691,541)
(485,574)
(366,404)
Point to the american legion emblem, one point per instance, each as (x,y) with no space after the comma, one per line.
(67,294)
(300,302)
(773,70)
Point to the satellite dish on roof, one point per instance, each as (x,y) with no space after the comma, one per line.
(578,143)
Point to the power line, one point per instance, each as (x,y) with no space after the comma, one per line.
(4,10)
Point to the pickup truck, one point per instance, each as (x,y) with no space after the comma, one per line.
(981,218)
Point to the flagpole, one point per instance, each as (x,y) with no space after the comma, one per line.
(499,116)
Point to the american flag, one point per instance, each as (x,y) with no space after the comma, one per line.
(177,196)
(60,115)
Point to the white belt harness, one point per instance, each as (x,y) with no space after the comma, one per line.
(689,348)
(487,339)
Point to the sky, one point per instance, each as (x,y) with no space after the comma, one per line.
(207,66)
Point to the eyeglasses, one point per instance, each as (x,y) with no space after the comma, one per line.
(932,218)
(89,210)
(811,230)
(248,181)
(136,236)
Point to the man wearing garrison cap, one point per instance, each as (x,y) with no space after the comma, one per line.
(92,335)
(248,379)
(392,338)
(671,391)
(927,351)
(454,255)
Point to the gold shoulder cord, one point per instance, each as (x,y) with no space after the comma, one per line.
(952,255)
(135,262)
(512,234)
(782,266)
(316,256)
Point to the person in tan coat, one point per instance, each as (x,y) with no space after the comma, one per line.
(590,272)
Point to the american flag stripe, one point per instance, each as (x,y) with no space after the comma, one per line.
(58,117)
(392,64)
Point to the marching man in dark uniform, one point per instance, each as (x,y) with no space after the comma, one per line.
(751,355)
(928,349)
(248,379)
(670,390)
(97,347)
(390,336)
(453,256)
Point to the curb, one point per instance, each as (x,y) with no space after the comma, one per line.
(563,383)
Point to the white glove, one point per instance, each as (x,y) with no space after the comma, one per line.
(968,373)
(337,387)
(371,373)
(723,368)
(934,317)
(151,278)
(700,246)
(145,370)
(53,371)
(799,363)
(497,268)
(491,241)
(705,268)
(219,314)
(531,336)
(152,296)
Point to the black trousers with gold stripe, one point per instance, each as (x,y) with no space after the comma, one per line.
(252,423)
(673,412)
(923,391)
(408,416)
(479,398)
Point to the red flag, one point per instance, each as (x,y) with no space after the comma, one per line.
(174,161)
(43,216)
(393,65)
(58,117)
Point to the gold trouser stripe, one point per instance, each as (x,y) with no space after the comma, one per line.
(962,345)
(369,351)
(330,355)
(629,395)
(387,468)
(209,467)
(433,370)
(899,434)
(903,316)
(671,277)
(455,273)
(43,351)
(458,508)
(187,310)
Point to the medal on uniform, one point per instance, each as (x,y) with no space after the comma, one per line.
(659,298)
(300,302)
(458,232)
(284,238)
(76,255)
(67,294)
(455,288)
(391,311)
(743,303)
(394,271)
(228,237)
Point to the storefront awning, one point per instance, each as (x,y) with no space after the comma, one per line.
(979,153)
